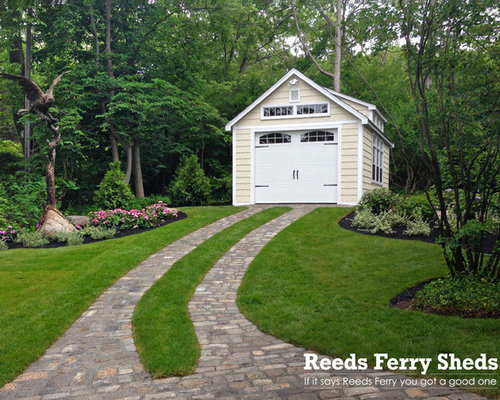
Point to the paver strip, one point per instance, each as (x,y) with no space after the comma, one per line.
(96,358)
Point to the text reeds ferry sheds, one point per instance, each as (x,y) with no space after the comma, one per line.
(445,362)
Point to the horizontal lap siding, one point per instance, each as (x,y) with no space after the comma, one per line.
(385,178)
(358,107)
(349,178)
(242,164)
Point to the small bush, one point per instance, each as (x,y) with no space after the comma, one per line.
(379,200)
(113,191)
(363,219)
(3,246)
(31,239)
(222,189)
(417,226)
(417,203)
(190,186)
(8,235)
(74,239)
(382,223)
(98,233)
(148,217)
(467,296)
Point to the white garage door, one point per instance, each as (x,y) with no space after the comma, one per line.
(296,167)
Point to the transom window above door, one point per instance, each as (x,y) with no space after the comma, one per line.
(275,137)
(295,111)
(317,136)
(277,111)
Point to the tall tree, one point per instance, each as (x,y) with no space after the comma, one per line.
(450,48)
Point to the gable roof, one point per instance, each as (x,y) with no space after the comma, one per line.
(335,97)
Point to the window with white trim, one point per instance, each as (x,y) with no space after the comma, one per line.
(277,111)
(299,110)
(275,137)
(378,160)
(321,108)
(294,94)
(317,136)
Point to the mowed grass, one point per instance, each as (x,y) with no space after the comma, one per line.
(164,334)
(327,289)
(43,291)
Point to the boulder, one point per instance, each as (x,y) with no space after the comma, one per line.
(80,220)
(54,223)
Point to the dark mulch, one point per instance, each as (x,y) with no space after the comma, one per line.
(346,223)
(119,234)
(404,300)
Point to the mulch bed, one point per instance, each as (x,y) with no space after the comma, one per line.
(346,223)
(88,239)
(404,299)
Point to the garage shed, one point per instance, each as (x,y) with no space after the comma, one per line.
(303,143)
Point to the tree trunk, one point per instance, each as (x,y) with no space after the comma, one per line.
(338,47)
(27,103)
(52,220)
(128,172)
(139,187)
(51,164)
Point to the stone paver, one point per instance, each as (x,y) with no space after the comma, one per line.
(96,358)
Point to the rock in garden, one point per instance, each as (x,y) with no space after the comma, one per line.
(55,223)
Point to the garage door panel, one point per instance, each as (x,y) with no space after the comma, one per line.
(296,172)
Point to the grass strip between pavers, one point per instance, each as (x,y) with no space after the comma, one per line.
(327,289)
(43,291)
(163,331)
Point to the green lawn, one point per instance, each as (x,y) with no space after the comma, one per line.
(43,291)
(328,289)
(163,331)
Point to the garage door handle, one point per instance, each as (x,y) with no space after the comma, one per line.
(297,174)
(293,174)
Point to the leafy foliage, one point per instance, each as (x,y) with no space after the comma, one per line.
(120,219)
(31,239)
(379,200)
(417,225)
(113,191)
(98,233)
(417,204)
(190,185)
(467,296)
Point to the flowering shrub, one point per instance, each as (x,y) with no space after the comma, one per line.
(8,235)
(120,219)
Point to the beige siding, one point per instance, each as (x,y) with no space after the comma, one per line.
(242,162)
(308,95)
(349,177)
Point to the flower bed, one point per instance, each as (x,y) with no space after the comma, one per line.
(120,219)
(102,225)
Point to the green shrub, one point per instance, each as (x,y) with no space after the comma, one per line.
(382,223)
(417,203)
(74,239)
(467,295)
(190,186)
(3,246)
(31,239)
(379,200)
(71,238)
(222,189)
(98,233)
(417,226)
(147,201)
(21,202)
(363,219)
(113,191)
